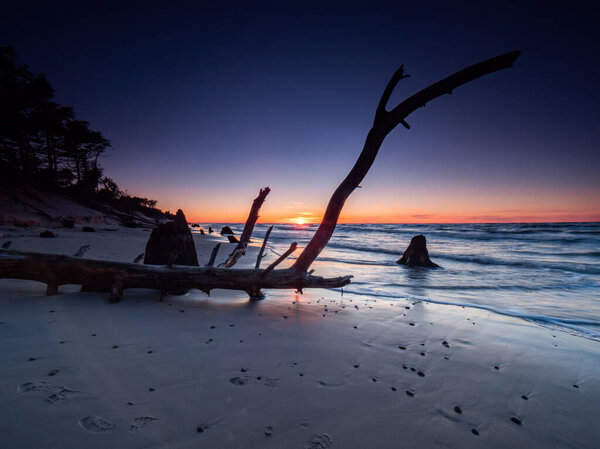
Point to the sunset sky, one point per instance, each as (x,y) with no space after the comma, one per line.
(206,104)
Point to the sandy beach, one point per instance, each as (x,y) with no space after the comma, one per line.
(316,370)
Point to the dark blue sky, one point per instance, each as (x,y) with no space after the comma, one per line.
(205,103)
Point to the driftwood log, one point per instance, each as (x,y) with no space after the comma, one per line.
(57,270)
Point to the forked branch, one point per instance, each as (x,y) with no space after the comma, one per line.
(385,122)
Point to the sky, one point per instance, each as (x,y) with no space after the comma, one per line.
(207,102)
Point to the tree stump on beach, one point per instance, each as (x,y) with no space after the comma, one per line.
(416,255)
(172,243)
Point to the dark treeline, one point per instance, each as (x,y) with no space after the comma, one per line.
(43,145)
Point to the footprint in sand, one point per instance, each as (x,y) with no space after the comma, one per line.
(319,441)
(323,383)
(141,422)
(39,385)
(96,424)
(239,380)
(243,380)
(272,383)
(56,393)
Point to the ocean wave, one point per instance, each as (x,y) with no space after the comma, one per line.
(367,249)
(572,324)
(498,287)
(357,262)
(478,233)
(483,260)
(480,260)
(560,253)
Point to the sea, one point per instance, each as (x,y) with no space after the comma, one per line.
(546,273)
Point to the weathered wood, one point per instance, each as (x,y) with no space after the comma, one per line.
(115,277)
(81,251)
(280,259)
(51,287)
(213,255)
(239,250)
(171,243)
(262,248)
(384,123)
(416,254)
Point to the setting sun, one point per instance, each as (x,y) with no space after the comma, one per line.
(299,220)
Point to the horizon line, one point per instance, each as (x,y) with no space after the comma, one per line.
(405,223)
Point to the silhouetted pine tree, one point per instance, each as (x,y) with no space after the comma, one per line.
(41,142)
(43,145)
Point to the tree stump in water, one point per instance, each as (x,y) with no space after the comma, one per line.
(171,243)
(226,230)
(416,255)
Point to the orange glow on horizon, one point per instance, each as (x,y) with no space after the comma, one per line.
(417,218)
(456,206)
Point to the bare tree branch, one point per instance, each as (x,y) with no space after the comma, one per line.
(239,250)
(385,122)
(281,258)
(213,255)
(262,248)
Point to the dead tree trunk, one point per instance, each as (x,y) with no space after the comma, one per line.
(384,122)
(55,270)
(240,249)
(416,254)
